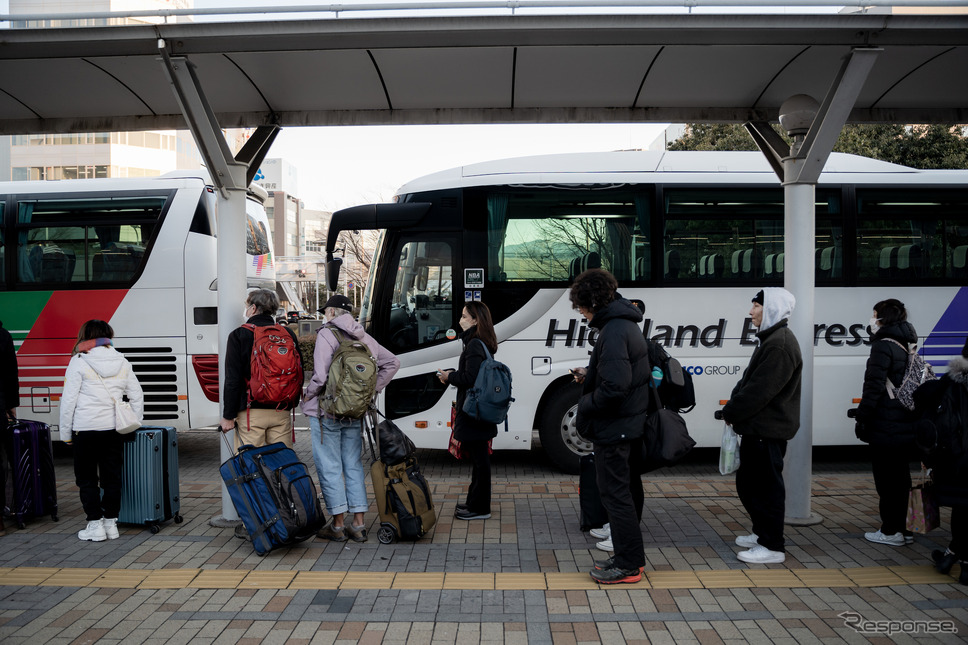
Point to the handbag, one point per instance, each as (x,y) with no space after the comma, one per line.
(729,451)
(125,420)
(922,511)
(666,439)
(454,446)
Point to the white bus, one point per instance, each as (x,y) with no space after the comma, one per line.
(693,235)
(138,253)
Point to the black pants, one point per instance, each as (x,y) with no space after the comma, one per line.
(959,531)
(617,468)
(98,462)
(479,490)
(891,468)
(759,484)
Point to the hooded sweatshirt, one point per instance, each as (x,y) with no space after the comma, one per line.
(326,344)
(88,402)
(766,401)
(887,421)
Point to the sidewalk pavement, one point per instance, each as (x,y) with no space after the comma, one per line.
(519,577)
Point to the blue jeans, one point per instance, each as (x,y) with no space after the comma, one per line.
(338,464)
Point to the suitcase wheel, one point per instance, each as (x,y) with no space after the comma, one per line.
(179,519)
(386,534)
(154,529)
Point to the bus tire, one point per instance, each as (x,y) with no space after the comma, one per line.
(559,432)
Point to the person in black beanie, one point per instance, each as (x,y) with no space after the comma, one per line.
(941,434)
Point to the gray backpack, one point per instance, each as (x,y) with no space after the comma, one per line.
(916,373)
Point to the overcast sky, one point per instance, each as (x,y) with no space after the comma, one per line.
(344,166)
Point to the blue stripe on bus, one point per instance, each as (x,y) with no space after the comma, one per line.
(948,336)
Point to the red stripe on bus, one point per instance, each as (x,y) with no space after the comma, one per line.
(38,360)
(32,383)
(66,311)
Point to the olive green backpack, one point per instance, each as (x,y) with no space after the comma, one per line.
(351,381)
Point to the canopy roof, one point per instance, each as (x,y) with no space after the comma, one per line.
(481,69)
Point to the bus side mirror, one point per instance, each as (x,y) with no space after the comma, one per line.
(332,273)
(423,273)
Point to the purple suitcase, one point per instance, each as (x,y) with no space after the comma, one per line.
(32,470)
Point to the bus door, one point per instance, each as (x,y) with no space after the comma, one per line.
(418,283)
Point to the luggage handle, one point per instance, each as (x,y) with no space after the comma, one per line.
(225,439)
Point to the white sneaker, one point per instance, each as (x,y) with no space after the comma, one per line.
(908,539)
(879,538)
(759,554)
(94,532)
(603,533)
(747,541)
(111,528)
(605,545)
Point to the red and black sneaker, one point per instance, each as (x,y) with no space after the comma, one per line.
(609,564)
(614,575)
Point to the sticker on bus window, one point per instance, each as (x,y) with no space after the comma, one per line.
(477,295)
(473,278)
(468,295)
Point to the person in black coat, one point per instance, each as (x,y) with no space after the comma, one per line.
(612,412)
(472,433)
(9,402)
(885,423)
(942,435)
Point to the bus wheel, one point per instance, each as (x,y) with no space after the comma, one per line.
(559,432)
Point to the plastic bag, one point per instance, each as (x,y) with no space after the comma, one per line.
(729,451)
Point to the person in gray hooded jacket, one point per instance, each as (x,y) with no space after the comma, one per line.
(764,409)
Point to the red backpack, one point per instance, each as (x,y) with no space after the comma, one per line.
(275,368)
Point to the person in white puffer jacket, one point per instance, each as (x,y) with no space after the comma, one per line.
(96,376)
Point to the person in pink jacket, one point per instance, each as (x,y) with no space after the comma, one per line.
(338,443)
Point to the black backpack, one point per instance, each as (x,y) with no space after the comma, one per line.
(676,389)
(949,444)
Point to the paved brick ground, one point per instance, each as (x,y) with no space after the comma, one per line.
(193,583)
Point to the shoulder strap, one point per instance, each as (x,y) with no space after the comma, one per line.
(906,348)
(486,350)
(103,384)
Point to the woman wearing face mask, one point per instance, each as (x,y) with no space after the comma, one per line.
(473,434)
(888,425)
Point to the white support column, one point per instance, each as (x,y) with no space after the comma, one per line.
(799,225)
(230,178)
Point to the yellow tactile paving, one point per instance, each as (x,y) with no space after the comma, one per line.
(520,581)
(218,579)
(774,578)
(427,580)
(674,580)
(73,578)
(367,580)
(873,576)
(27,576)
(468,581)
(169,579)
(120,579)
(915,575)
(236,579)
(826,578)
(571,581)
(317,580)
(267,580)
(731,578)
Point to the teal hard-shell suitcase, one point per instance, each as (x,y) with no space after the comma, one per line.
(149,487)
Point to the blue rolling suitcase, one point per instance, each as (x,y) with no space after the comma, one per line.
(149,486)
(34,487)
(273,494)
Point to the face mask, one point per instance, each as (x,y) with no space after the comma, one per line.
(874,324)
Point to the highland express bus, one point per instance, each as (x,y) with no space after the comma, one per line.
(138,253)
(692,235)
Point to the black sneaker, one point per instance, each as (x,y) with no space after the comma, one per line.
(471,515)
(943,561)
(461,507)
(613,575)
